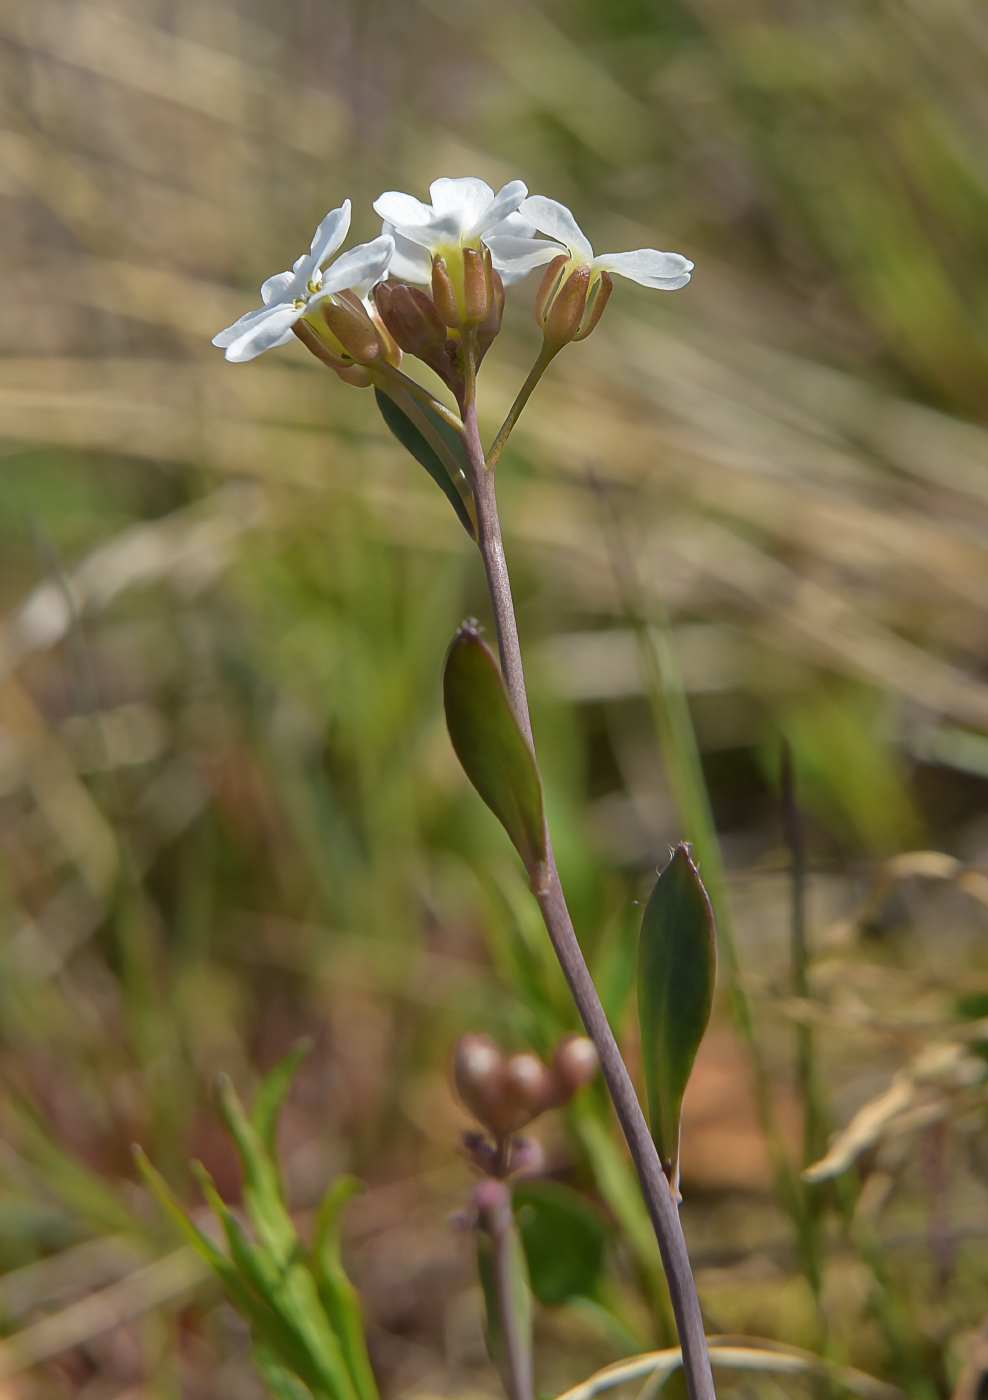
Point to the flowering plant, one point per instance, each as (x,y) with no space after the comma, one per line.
(432,286)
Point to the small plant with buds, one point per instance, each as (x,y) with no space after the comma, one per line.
(432,286)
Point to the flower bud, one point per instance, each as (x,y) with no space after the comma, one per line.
(478,1073)
(528,1089)
(569,303)
(574,1064)
(410,315)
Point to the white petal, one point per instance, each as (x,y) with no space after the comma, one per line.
(276,288)
(555,219)
(501,207)
(515,224)
(461,202)
(515,257)
(330,234)
(398,208)
(273,328)
(650,268)
(368,260)
(232,333)
(437,233)
(411,262)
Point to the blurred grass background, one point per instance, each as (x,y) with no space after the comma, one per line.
(228,808)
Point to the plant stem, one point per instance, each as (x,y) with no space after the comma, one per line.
(548,890)
(499,1222)
(545,357)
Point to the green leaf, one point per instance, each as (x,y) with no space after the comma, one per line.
(262,1188)
(282,1383)
(487,738)
(521,1300)
(299,1331)
(443,458)
(564,1237)
(339,1297)
(238,1291)
(271,1093)
(677,965)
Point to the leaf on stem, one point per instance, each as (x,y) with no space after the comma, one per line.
(677,965)
(488,740)
(414,441)
(271,1093)
(564,1237)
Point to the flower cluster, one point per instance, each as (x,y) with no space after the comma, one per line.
(505,1093)
(432,284)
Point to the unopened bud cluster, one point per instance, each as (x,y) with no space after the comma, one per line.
(505,1092)
(467,296)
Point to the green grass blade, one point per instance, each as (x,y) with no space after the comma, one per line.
(339,1297)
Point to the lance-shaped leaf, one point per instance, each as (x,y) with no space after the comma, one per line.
(435,446)
(488,740)
(677,965)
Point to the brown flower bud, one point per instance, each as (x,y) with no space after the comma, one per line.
(574,1064)
(410,315)
(528,1090)
(478,1073)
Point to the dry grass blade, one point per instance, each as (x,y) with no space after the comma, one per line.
(739,1354)
(140,1291)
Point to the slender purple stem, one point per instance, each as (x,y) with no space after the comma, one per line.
(549,892)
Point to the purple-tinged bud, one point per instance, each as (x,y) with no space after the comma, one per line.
(574,1064)
(526,1157)
(410,315)
(481,1152)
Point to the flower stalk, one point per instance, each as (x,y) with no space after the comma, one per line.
(548,890)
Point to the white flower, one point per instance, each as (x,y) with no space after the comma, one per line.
(515,256)
(462,213)
(288,296)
